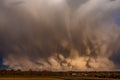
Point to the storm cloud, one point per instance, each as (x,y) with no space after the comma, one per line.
(60,35)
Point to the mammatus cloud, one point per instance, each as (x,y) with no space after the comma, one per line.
(60,34)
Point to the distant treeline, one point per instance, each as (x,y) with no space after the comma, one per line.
(30,73)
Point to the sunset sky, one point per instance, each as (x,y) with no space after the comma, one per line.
(60,35)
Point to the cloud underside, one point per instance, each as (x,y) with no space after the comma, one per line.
(60,34)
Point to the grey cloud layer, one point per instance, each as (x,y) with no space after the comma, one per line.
(59,34)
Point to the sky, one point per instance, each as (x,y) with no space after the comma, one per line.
(117,18)
(1,61)
(1,66)
(60,35)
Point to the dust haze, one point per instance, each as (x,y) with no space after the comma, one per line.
(60,35)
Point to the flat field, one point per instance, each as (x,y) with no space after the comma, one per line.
(29,79)
(53,79)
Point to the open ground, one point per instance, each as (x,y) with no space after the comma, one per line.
(54,79)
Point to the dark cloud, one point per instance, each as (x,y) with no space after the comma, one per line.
(18,3)
(76,3)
